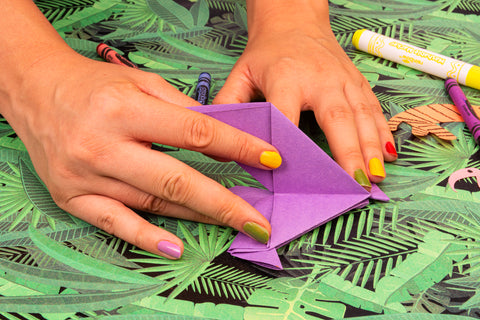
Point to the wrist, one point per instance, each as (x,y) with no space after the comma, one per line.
(24,48)
(286,15)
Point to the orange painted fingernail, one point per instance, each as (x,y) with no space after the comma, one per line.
(391,149)
(376,168)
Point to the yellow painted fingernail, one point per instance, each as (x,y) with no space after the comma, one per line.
(256,231)
(376,168)
(271,159)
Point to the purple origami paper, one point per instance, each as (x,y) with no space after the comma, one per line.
(306,191)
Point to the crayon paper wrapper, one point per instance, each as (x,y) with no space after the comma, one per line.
(413,57)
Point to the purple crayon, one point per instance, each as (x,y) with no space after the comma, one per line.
(464,107)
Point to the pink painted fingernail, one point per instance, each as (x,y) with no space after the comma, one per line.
(170,249)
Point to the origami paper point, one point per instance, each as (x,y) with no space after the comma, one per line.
(307,190)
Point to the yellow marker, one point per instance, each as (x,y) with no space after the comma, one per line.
(417,58)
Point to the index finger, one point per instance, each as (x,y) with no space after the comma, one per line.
(176,126)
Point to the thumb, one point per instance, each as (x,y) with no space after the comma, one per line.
(238,88)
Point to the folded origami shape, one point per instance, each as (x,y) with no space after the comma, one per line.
(307,190)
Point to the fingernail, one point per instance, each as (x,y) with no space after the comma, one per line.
(376,167)
(391,149)
(271,159)
(256,231)
(362,179)
(170,249)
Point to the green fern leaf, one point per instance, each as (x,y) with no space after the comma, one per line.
(62,233)
(101,10)
(225,281)
(240,16)
(197,51)
(172,13)
(63,303)
(24,274)
(289,298)
(419,271)
(200,13)
(85,47)
(197,257)
(39,196)
(96,247)
(85,263)
(413,316)
(55,10)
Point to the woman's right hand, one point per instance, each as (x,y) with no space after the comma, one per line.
(88,127)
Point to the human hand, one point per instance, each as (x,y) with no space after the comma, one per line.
(293,60)
(88,128)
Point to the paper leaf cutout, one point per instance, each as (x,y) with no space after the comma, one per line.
(425,119)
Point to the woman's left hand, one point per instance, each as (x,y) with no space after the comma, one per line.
(300,67)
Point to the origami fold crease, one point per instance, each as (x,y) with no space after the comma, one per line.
(306,191)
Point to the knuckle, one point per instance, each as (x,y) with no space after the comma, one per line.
(106,221)
(139,239)
(109,99)
(110,91)
(89,151)
(363,109)
(336,114)
(226,211)
(153,204)
(285,65)
(58,196)
(242,148)
(200,132)
(175,186)
(352,153)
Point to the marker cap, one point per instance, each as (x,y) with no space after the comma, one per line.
(473,77)
(356,37)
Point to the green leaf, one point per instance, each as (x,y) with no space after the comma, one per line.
(39,196)
(200,13)
(101,10)
(240,16)
(61,234)
(25,274)
(172,13)
(85,263)
(86,48)
(418,272)
(196,259)
(63,303)
(197,51)
(413,316)
(290,298)
(229,282)
(55,10)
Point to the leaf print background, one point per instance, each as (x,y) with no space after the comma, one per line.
(415,257)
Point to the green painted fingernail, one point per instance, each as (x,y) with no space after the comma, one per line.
(362,179)
(256,231)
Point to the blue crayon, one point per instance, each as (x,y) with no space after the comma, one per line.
(203,87)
